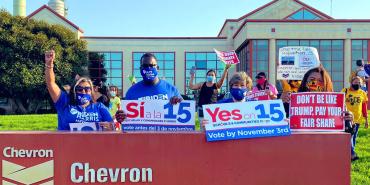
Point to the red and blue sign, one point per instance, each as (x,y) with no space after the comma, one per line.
(158,115)
(245,120)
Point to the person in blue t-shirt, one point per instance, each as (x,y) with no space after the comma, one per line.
(151,87)
(78,106)
(240,84)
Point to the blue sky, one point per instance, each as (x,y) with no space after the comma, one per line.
(175,17)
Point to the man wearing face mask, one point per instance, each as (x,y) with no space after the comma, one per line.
(151,87)
(361,72)
(264,85)
(356,102)
(209,89)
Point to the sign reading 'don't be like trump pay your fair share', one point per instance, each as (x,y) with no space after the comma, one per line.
(245,120)
(295,61)
(317,111)
(158,115)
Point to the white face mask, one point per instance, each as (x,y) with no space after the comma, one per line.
(112,93)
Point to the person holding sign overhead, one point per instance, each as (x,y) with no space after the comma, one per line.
(209,88)
(356,102)
(151,87)
(264,85)
(77,107)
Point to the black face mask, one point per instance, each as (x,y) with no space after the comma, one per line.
(356,86)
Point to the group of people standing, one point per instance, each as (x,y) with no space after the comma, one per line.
(80,106)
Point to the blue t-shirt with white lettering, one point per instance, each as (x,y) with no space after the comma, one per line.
(228,100)
(160,91)
(231,100)
(95,112)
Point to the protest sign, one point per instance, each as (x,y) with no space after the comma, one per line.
(295,61)
(86,126)
(317,111)
(158,115)
(228,57)
(245,120)
(258,95)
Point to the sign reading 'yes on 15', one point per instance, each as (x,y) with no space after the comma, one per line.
(158,115)
(245,120)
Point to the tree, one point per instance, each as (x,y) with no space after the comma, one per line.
(23,43)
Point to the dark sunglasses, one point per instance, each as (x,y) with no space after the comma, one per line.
(148,65)
(81,89)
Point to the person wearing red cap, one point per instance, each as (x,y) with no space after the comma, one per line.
(264,85)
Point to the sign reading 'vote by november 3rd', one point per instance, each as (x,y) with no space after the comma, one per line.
(245,120)
(158,115)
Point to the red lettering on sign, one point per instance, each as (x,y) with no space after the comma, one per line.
(213,114)
(236,114)
(131,110)
(224,115)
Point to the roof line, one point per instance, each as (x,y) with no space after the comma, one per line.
(223,26)
(57,14)
(301,21)
(270,3)
(113,37)
(313,9)
(256,10)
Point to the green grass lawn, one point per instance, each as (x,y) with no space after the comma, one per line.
(29,122)
(360,168)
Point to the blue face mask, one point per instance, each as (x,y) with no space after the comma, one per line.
(149,74)
(211,79)
(238,93)
(83,98)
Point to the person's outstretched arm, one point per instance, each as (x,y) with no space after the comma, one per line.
(221,81)
(53,88)
(193,86)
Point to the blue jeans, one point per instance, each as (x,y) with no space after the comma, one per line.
(354,137)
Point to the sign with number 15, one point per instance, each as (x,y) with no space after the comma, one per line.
(245,120)
(158,115)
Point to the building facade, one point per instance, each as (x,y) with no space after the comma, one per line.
(256,37)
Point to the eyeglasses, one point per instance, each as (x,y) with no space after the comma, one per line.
(80,89)
(148,65)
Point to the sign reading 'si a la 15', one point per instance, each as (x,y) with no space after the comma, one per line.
(158,115)
(245,120)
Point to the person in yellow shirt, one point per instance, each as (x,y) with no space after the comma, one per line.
(356,102)
(115,102)
(289,86)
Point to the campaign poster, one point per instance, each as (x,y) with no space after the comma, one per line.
(228,57)
(317,111)
(295,61)
(158,115)
(240,120)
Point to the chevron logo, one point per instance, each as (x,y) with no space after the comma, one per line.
(27,175)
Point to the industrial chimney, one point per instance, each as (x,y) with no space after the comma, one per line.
(58,6)
(19,8)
